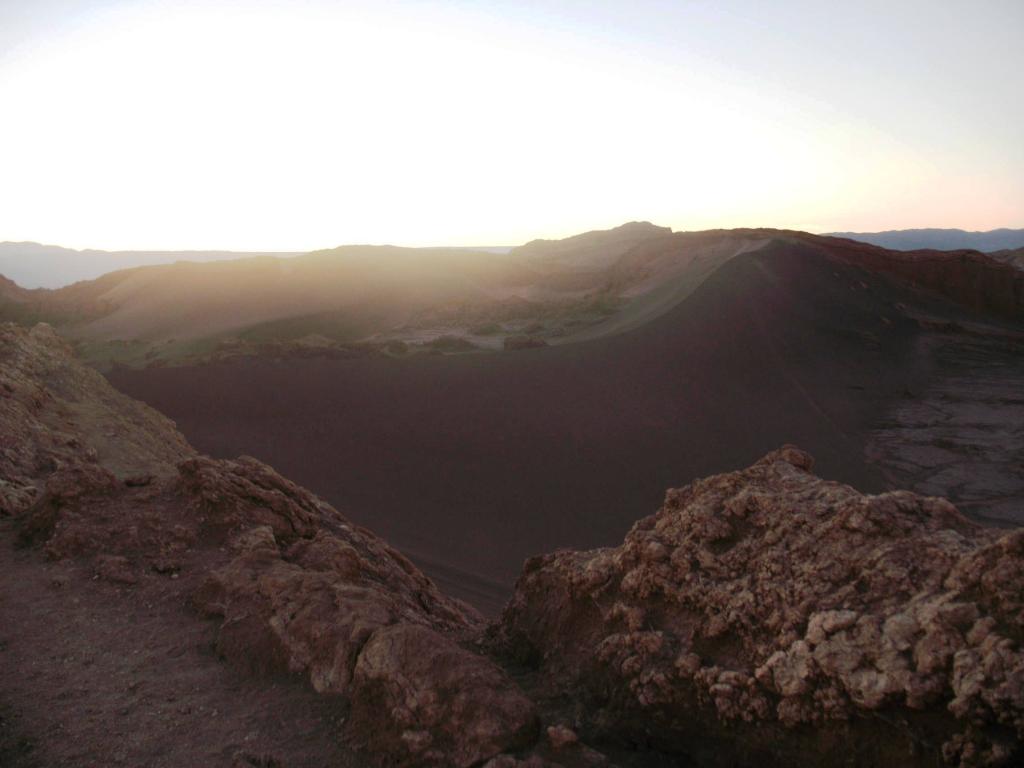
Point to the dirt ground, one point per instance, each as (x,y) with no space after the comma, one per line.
(99,674)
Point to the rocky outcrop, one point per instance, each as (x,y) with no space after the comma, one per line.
(294,586)
(308,592)
(57,413)
(437,702)
(770,617)
(760,617)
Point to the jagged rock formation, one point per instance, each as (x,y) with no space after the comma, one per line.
(769,617)
(760,617)
(308,592)
(311,593)
(294,586)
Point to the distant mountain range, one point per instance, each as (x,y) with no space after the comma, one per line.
(940,239)
(34,265)
(370,299)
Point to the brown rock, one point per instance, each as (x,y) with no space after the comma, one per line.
(296,587)
(439,703)
(787,601)
(230,495)
(308,592)
(760,617)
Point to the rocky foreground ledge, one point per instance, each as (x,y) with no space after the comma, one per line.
(760,617)
(771,617)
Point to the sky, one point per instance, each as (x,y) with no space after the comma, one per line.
(260,125)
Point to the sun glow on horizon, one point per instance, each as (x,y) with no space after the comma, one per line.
(272,126)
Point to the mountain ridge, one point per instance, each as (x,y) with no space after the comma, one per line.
(941,239)
(440,300)
(782,343)
(37,265)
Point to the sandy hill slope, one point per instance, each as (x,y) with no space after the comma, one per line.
(970,278)
(188,300)
(169,609)
(375,300)
(592,251)
(345,294)
(472,462)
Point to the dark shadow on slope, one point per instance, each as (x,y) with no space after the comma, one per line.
(472,463)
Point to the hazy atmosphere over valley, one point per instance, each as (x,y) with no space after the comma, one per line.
(511,385)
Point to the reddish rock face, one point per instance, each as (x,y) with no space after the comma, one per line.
(770,616)
(308,592)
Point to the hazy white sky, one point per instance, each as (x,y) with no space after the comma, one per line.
(297,125)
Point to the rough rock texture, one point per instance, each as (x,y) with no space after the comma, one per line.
(308,592)
(446,704)
(57,413)
(92,475)
(770,616)
(760,617)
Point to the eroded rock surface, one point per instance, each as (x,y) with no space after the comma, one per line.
(962,436)
(770,616)
(55,413)
(760,617)
(308,592)
(93,476)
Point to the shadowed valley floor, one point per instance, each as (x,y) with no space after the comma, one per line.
(471,463)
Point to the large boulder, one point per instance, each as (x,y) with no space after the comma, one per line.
(230,496)
(421,695)
(294,586)
(308,592)
(770,617)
